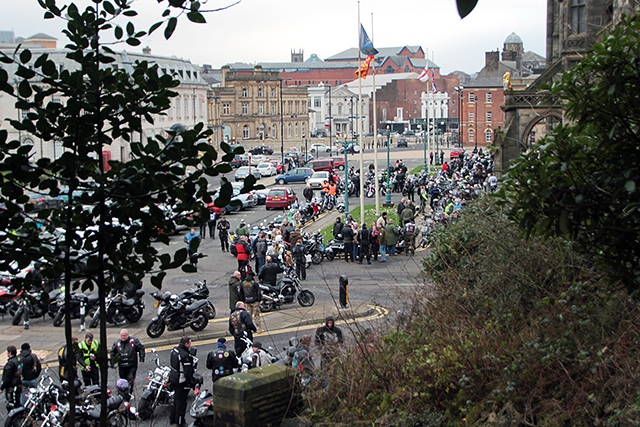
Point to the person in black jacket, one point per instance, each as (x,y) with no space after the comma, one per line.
(241,326)
(298,257)
(337,228)
(328,339)
(308,193)
(269,272)
(222,361)
(11,383)
(126,352)
(223,233)
(347,235)
(31,368)
(181,378)
(364,237)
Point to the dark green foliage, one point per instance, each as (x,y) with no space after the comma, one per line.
(582,181)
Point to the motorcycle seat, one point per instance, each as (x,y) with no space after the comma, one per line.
(270,288)
(196,305)
(112,404)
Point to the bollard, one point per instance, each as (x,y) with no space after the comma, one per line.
(344,291)
(25,307)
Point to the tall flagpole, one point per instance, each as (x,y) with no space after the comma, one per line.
(375,132)
(359,127)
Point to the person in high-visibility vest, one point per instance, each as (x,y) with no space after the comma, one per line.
(87,359)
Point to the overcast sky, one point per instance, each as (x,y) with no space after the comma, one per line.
(267,30)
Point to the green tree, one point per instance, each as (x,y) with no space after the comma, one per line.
(581,182)
(111,216)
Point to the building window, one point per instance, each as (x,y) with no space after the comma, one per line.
(489,116)
(274,130)
(245,109)
(488,136)
(302,109)
(245,92)
(317,102)
(384,114)
(471,116)
(399,113)
(289,130)
(273,92)
(178,106)
(388,70)
(488,97)
(186,106)
(339,109)
(260,92)
(471,135)
(261,108)
(472,97)
(296,129)
(273,108)
(289,107)
(226,109)
(297,109)
(245,131)
(304,129)
(578,16)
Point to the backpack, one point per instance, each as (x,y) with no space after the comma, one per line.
(249,292)
(236,323)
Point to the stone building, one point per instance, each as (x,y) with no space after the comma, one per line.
(254,105)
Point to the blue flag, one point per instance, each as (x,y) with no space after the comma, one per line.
(366,45)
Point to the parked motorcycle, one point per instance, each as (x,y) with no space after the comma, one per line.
(119,309)
(202,409)
(158,390)
(8,294)
(174,314)
(76,304)
(335,248)
(314,246)
(28,302)
(199,292)
(286,291)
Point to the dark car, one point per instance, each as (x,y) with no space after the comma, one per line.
(239,160)
(402,142)
(263,149)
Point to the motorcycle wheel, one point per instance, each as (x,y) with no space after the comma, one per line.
(316,257)
(330,255)
(59,318)
(18,420)
(145,408)
(17,318)
(200,322)
(95,320)
(306,298)
(135,315)
(155,329)
(370,194)
(211,311)
(266,305)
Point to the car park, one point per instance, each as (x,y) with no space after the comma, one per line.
(294,175)
(280,197)
(245,171)
(402,142)
(266,169)
(316,180)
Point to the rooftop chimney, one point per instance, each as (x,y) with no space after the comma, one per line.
(146,50)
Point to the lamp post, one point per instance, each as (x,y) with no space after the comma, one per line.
(460,100)
(281,125)
(330,120)
(387,200)
(424,135)
(433,128)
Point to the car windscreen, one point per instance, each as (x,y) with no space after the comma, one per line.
(277,193)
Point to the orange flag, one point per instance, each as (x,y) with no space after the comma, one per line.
(364,67)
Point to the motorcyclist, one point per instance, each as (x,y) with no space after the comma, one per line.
(126,352)
(337,228)
(308,193)
(222,361)
(269,272)
(181,378)
(328,338)
(241,326)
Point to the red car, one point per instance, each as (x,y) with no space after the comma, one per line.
(280,198)
(455,153)
(338,163)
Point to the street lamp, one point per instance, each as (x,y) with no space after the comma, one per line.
(424,135)
(346,178)
(281,124)
(387,200)
(460,100)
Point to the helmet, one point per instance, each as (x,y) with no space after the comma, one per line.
(122,384)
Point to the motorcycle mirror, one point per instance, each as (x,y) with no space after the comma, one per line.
(153,350)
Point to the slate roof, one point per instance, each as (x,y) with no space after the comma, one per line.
(352,53)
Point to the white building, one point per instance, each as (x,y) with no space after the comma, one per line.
(188,108)
(336,109)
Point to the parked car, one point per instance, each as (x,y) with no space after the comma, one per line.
(321,165)
(261,196)
(455,153)
(338,163)
(351,148)
(266,169)
(317,179)
(239,160)
(262,149)
(280,197)
(245,171)
(294,175)
(257,159)
(402,142)
(322,148)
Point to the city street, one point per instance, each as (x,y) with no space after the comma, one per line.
(374,291)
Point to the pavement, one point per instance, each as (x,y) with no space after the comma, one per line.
(375,290)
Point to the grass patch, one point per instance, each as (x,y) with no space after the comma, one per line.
(369,217)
